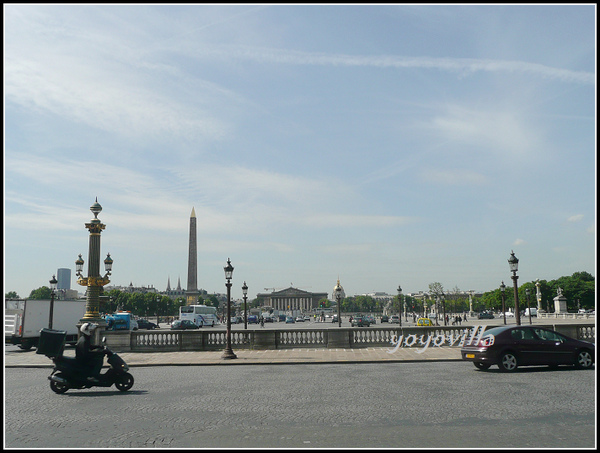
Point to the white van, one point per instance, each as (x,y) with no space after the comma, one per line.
(533,311)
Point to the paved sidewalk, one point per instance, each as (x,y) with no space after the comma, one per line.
(14,357)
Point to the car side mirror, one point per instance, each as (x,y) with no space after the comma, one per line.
(103,340)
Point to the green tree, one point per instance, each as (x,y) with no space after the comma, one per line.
(11,295)
(41,293)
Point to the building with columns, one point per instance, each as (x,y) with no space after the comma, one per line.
(291,299)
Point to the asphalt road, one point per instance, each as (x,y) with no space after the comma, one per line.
(401,405)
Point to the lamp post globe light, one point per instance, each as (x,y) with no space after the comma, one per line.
(502,288)
(399,306)
(245,292)
(513,263)
(53,283)
(94,281)
(228,352)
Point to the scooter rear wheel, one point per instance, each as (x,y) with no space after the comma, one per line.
(124,382)
(57,387)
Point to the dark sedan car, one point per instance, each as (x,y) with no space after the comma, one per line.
(485,315)
(512,346)
(183,325)
(145,324)
(360,321)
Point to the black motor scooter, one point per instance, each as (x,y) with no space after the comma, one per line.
(68,374)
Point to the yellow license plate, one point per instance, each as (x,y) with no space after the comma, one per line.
(470,356)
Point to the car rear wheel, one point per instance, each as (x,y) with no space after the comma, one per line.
(481,365)
(508,362)
(584,359)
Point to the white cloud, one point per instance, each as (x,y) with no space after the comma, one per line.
(453,177)
(519,242)
(461,66)
(575,218)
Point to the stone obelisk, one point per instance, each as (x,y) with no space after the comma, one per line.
(192,292)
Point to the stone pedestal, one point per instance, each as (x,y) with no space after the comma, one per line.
(560,304)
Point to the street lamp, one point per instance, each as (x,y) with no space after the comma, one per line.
(502,288)
(94,281)
(399,306)
(228,352)
(444,307)
(53,283)
(338,297)
(513,263)
(245,292)
(527,293)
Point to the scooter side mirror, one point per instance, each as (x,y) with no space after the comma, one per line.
(103,340)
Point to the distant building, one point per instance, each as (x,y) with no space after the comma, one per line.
(174,293)
(63,277)
(291,299)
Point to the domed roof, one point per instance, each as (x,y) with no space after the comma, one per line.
(339,288)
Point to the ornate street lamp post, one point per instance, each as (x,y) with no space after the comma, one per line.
(338,298)
(513,263)
(502,288)
(94,282)
(399,306)
(245,292)
(228,352)
(53,283)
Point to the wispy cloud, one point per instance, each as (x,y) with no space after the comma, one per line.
(461,66)
(575,218)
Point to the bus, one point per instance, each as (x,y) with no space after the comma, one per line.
(201,315)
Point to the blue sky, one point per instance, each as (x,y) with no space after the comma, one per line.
(387,145)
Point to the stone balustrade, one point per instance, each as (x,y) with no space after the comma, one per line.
(348,337)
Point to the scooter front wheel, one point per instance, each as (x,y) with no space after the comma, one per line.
(124,382)
(58,387)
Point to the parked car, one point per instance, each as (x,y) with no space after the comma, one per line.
(289,320)
(512,346)
(384,318)
(532,310)
(236,319)
(394,319)
(145,324)
(268,318)
(299,318)
(424,322)
(360,321)
(485,315)
(252,319)
(509,314)
(183,325)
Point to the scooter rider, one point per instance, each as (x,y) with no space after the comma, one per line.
(89,357)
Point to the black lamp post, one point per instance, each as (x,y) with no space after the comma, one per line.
(444,307)
(513,263)
(399,306)
(228,352)
(338,298)
(245,292)
(53,283)
(502,288)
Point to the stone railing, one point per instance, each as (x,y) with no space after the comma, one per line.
(355,337)
(566,315)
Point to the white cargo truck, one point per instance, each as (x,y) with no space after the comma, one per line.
(23,320)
